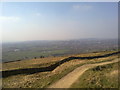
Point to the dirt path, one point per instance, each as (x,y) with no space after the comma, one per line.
(70,78)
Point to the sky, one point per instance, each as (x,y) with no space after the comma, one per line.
(26,21)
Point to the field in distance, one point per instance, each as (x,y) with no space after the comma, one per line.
(36,49)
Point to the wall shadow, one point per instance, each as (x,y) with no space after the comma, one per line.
(8,73)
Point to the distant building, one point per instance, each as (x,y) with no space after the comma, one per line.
(15,50)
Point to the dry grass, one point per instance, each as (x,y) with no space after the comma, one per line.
(29,63)
(43,79)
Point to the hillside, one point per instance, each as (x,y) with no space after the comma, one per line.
(105,76)
(42,72)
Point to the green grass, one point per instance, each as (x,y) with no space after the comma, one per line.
(99,77)
(11,56)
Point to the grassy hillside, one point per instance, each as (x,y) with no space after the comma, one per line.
(105,76)
(48,60)
(20,75)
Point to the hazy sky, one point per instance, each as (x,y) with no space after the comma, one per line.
(58,21)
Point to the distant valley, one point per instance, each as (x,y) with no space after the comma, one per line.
(38,49)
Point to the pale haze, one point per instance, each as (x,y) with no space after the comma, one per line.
(58,21)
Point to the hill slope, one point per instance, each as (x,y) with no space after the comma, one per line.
(37,73)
